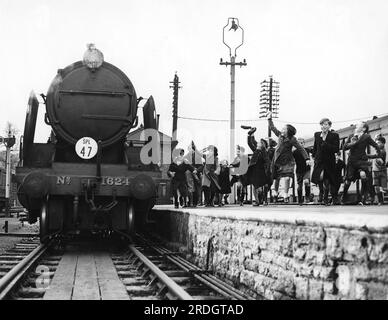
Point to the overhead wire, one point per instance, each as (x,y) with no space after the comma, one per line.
(282,121)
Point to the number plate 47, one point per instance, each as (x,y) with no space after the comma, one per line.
(86,148)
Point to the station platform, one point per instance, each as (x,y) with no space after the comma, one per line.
(351,217)
(285,251)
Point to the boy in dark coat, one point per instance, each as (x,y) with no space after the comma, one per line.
(259,174)
(177,172)
(224,181)
(283,161)
(339,169)
(210,171)
(303,172)
(239,175)
(379,169)
(326,145)
(196,161)
(358,164)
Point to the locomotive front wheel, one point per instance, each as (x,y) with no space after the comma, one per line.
(131,219)
(43,221)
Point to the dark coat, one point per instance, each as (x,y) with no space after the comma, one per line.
(339,168)
(283,152)
(324,156)
(357,150)
(259,169)
(301,166)
(180,170)
(224,181)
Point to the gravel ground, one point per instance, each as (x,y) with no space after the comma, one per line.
(15,226)
(8,243)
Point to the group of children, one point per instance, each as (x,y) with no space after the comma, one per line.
(200,171)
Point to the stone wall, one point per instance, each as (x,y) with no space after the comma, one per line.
(281,260)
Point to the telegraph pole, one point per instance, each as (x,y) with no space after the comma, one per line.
(234,25)
(269,99)
(9,142)
(175,86)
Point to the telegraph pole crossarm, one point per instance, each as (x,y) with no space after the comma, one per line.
(269,99)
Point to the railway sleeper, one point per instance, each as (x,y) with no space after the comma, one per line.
(9,262)
(53,258)
(19,251)
(26,246)
(12,257)
(52,269)
(50,274)
(5,268)
(121,263)
(209,297)
(127,274)
(15,297)
(27,241)
(31,281)
(49,263)
(146,298)
(134,281)
(126,268)
(140,290)
(30,292)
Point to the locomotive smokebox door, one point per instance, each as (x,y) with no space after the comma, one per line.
(149,114)
(99,104)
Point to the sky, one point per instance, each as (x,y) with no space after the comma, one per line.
(330,57)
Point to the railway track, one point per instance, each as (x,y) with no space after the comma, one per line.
(15,263)
(147,270)
(151,271)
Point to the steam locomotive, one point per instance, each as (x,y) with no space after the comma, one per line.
(88,176)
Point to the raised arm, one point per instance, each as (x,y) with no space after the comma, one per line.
(350,142)
(197,155)
(296,144)
(273,128)
(375,145)
(252,143)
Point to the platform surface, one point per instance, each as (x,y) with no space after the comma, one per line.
(374,218)
(81,276)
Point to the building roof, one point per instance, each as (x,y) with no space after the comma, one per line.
(136,135)
(377,124)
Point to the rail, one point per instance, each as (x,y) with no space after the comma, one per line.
(203,276)
(8,281)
